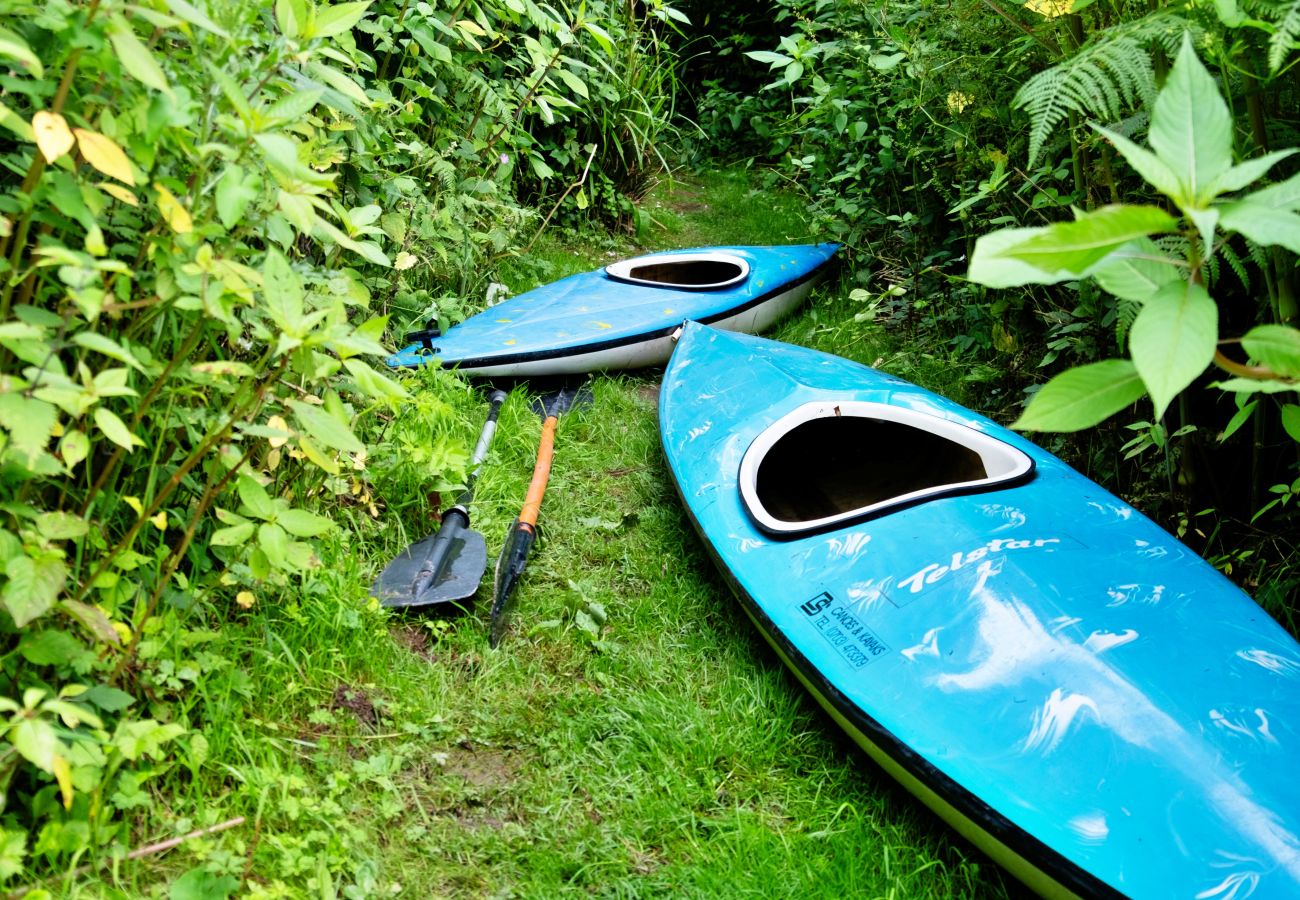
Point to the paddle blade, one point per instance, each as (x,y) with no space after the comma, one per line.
(405,581)
(562,399)
(510,568)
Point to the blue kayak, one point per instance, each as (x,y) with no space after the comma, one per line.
(1075,691)
(622,316)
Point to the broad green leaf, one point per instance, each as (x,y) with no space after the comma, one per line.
(93,340)
(1254,386)
(1240,418)
(1152,168)
(1283,195)
(1206,220)
(115,429)
(337,18)
(298,209)
(30,423)
(14,47)
(13,850)
(233,536)
(37,741)
(324,428)
(1191,127)
(16,124)
(294,106)
(885,62)
(135,57)
(991,266)
(1291,420)
(234,192)
(773,59)
(601,35)
(195,16)
(232,90)
(1276,347)
(373,384)
(274,543)
(74,447)
(60,526)
(33,587)
(1136,270)
(1246,173)
(144,737)
(200,884)
(1173,340)
(258,502)
(301,523)
(1265,225)
(1074,246)
(291,16)
(1081,397)
(340,82)
(283,292)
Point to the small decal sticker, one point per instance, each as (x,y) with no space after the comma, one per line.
(854,641)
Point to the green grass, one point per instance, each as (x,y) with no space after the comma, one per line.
(665,753)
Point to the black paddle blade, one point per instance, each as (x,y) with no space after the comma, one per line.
(510,568)
(562,399)
(410,580)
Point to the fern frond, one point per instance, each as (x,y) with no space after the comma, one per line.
(1126,312)
(1111,72)
(1237,265)
(1282,41)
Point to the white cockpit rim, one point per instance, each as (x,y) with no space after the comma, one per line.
(832,461)
(701,271)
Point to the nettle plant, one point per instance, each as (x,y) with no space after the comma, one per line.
(1158,260)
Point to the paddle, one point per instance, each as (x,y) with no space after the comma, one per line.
(523,531)
(445,567)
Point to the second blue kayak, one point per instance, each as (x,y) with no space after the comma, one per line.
(622,316)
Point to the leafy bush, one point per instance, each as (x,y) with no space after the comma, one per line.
(220,207)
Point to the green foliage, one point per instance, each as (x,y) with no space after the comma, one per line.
(1174,336)
(220,210)
(1109,75)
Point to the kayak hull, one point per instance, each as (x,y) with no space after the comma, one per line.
(608,319)
(1072,689)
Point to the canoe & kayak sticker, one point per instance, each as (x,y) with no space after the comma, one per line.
(854,641)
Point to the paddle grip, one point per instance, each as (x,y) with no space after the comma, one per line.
(541,473)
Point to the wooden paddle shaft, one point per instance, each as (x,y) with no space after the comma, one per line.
(541,473)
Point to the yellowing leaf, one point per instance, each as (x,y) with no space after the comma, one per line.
(135,504)
(160,521)
(104,154)
(404,261)
(245,599)
(1050,9)
(173,211)
(278,423)
(53,136)
(63,773)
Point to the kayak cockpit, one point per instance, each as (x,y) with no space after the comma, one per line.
(829,462)
(705,271)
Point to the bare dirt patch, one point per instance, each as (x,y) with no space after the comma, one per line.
(482,767)
(356,701)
